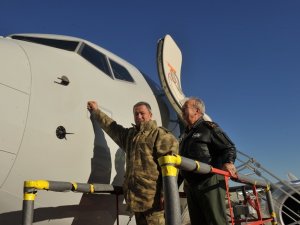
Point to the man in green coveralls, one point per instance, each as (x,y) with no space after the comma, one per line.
(205,142)
(143,144)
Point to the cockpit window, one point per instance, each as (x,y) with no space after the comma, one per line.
(120,72)
(62,44)
(96,58)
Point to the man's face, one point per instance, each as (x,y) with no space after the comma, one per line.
(141,114)
(190,113)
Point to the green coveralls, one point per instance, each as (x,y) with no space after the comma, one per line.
(207,143)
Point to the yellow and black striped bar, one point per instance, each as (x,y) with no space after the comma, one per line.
(30,189)
(171,195)
(169,165)
(28,208)
(32,186)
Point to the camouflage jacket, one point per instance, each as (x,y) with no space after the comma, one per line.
(143,184)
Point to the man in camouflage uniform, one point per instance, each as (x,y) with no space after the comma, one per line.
(205,142)
(143,143)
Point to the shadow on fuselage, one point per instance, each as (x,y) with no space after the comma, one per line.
(93,209)
(101,166)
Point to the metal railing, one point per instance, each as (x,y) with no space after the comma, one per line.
(170,165)
(31,188)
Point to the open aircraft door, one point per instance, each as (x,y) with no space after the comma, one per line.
(169,61)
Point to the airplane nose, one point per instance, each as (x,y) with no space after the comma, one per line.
(15,86)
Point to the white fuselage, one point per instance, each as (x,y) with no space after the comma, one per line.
(34,105)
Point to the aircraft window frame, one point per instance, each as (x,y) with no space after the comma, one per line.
(100,60)
(96,58)
(56,43)
(120,72)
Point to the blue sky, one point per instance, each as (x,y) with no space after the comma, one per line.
(241,57)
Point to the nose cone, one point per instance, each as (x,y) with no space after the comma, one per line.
(15,81)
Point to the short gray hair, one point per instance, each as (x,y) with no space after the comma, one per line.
(199,103)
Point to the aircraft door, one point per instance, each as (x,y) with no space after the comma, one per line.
(15,81)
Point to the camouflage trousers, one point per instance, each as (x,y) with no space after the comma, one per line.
(150,217)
